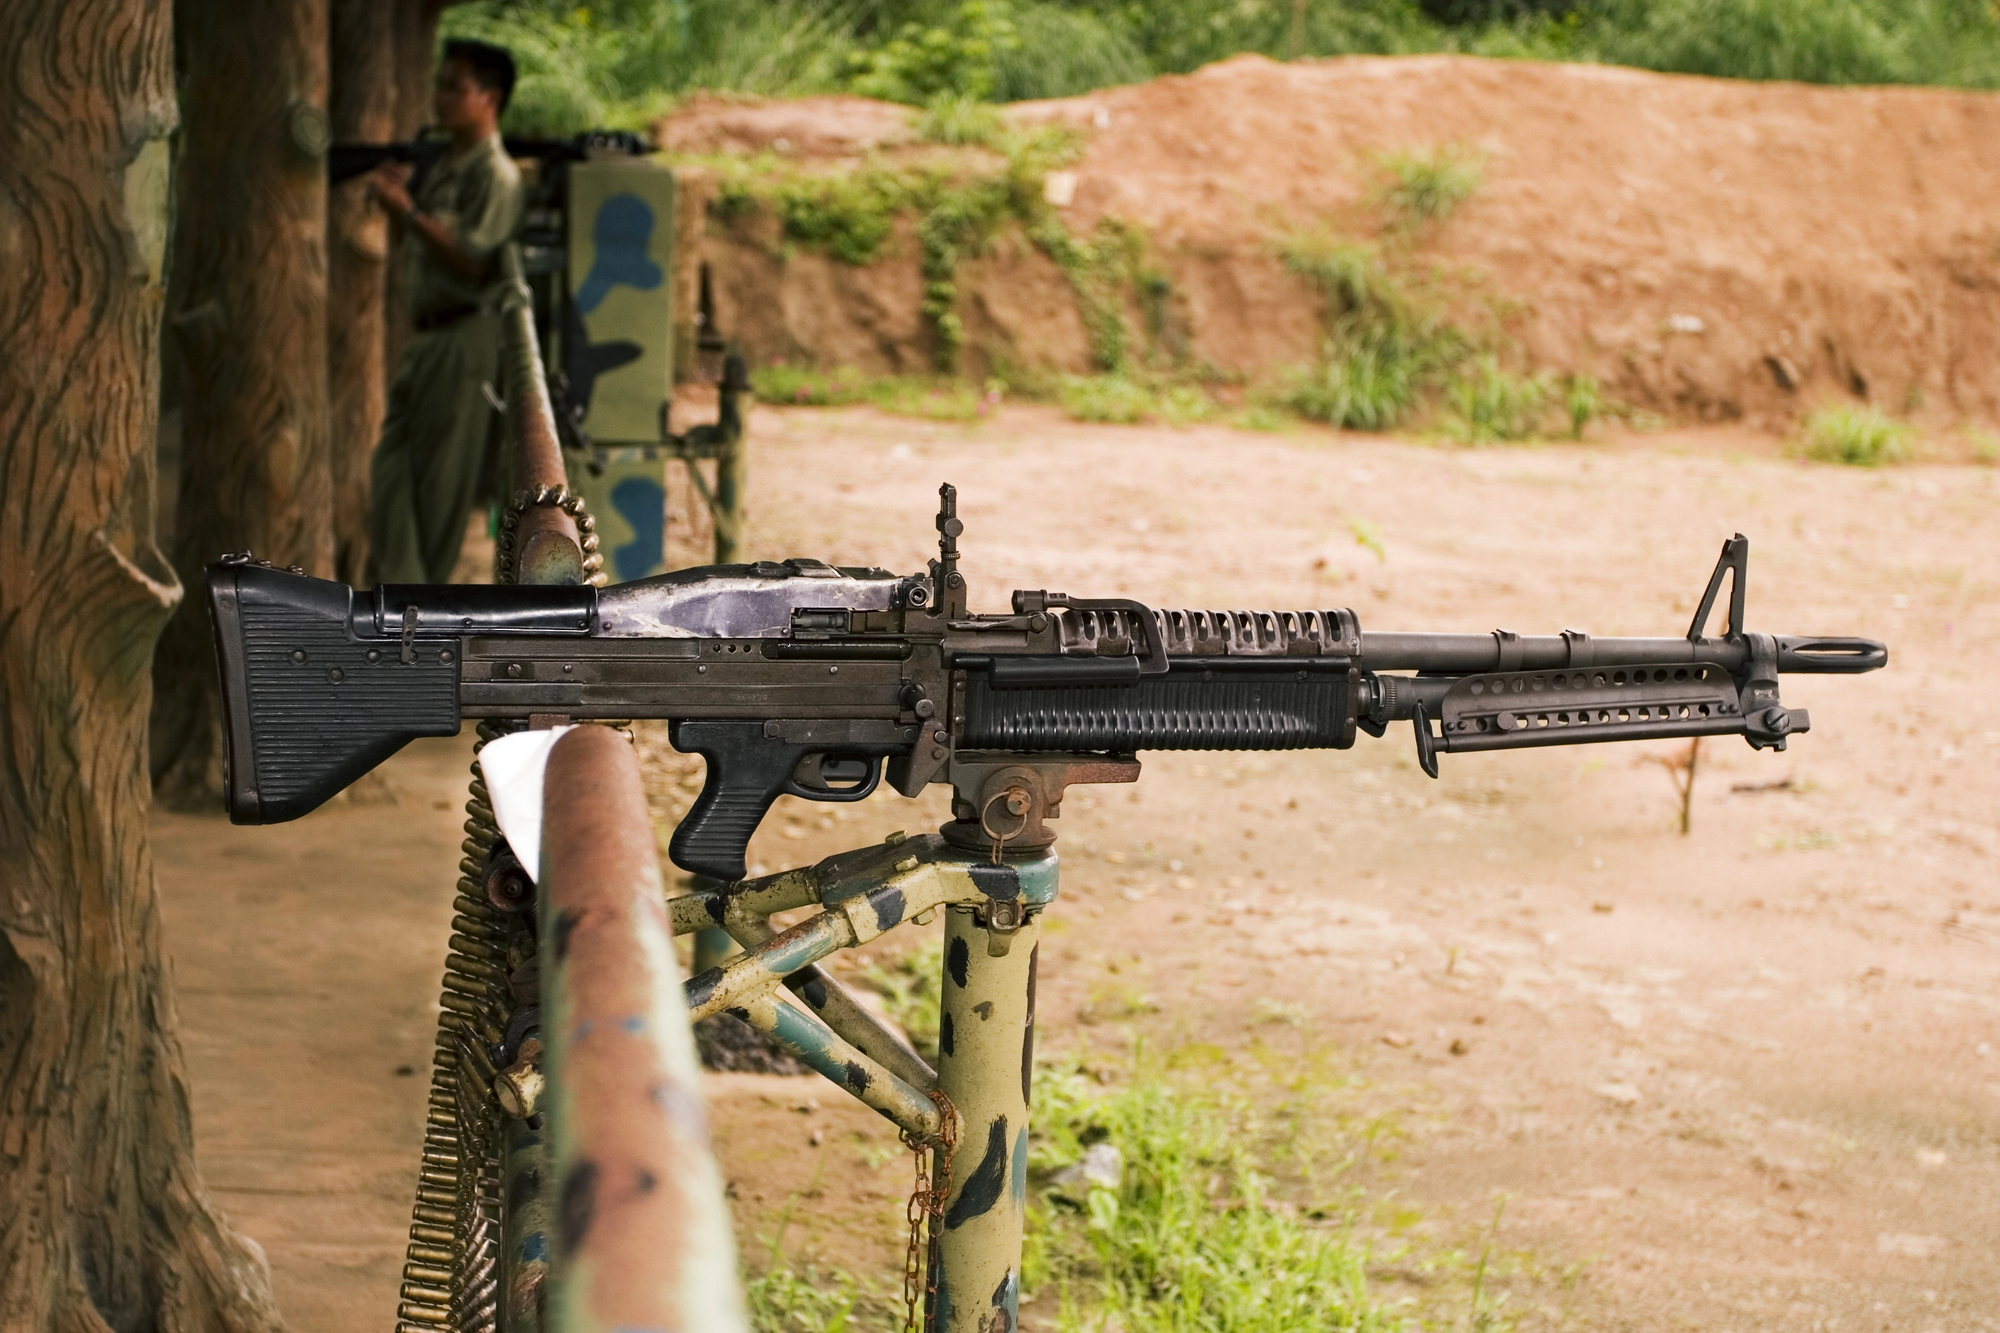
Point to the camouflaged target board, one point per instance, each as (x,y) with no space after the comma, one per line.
(620,339)
(624,487)
(619,352)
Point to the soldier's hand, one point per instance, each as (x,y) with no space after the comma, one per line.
(389,184)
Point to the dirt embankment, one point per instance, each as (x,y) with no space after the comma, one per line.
(1708,249)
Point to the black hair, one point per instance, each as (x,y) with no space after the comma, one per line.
(492,66)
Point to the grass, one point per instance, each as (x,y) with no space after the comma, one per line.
(910,986)
(1199,1234)
(1125,399)
(1857,436)
(1487,404)
(933,398)
(1424,186)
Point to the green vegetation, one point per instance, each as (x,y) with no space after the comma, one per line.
(936,398)
(910,987)
(1225,1215)
(619,63)
(1425,185)
(1858,436)
(1123,399)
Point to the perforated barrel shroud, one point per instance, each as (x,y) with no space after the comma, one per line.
(1238,680)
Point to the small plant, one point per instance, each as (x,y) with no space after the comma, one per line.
(1681,769)
(1422,187)
(1985,448)
(1583,402)
(956,119)
(1857,436)
(1488,404)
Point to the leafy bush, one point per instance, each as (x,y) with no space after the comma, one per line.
(1858,436)
(956,56)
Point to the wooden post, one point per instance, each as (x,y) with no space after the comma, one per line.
(249,309)
(104,1222)
(362,93)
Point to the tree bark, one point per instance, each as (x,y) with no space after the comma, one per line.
(104,1224)
(416,39)
(249,312)
(362,92)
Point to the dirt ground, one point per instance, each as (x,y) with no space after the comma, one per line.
(1742,1079)
(1712,250)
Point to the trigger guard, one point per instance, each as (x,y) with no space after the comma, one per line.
(860,793)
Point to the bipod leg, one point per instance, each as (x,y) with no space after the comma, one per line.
(986,1050)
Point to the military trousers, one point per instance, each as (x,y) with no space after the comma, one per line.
(436,436)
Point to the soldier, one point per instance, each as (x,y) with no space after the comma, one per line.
(435,436)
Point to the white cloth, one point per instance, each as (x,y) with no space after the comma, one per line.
(513,766)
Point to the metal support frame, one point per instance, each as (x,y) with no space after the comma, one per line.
(986,1040)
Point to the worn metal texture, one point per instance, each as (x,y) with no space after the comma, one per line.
(549,546)
(914,889)
(738,601)
(834,1005)
(525,1222)
(707,907)
(643,1238)
(830,1055)
(986,1046)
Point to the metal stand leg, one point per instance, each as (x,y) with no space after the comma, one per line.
(986,1058)
(729,470)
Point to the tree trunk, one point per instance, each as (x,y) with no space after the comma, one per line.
(416,38)
(249,312)
(362,91)
(104,1224)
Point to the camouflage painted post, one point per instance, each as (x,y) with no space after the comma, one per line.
(643,1238)
(986,1045)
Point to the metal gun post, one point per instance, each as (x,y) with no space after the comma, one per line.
(986,1057)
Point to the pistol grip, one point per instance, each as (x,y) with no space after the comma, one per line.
(746,772)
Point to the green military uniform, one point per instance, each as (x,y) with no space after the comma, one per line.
(435,437)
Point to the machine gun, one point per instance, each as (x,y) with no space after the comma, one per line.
(802,678)
(344,161)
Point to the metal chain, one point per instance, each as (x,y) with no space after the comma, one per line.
(925,1211)
(507,557)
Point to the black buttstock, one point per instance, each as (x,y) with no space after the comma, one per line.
(307,705)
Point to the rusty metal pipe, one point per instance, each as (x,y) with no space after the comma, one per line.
(548,547)
(643,1238)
